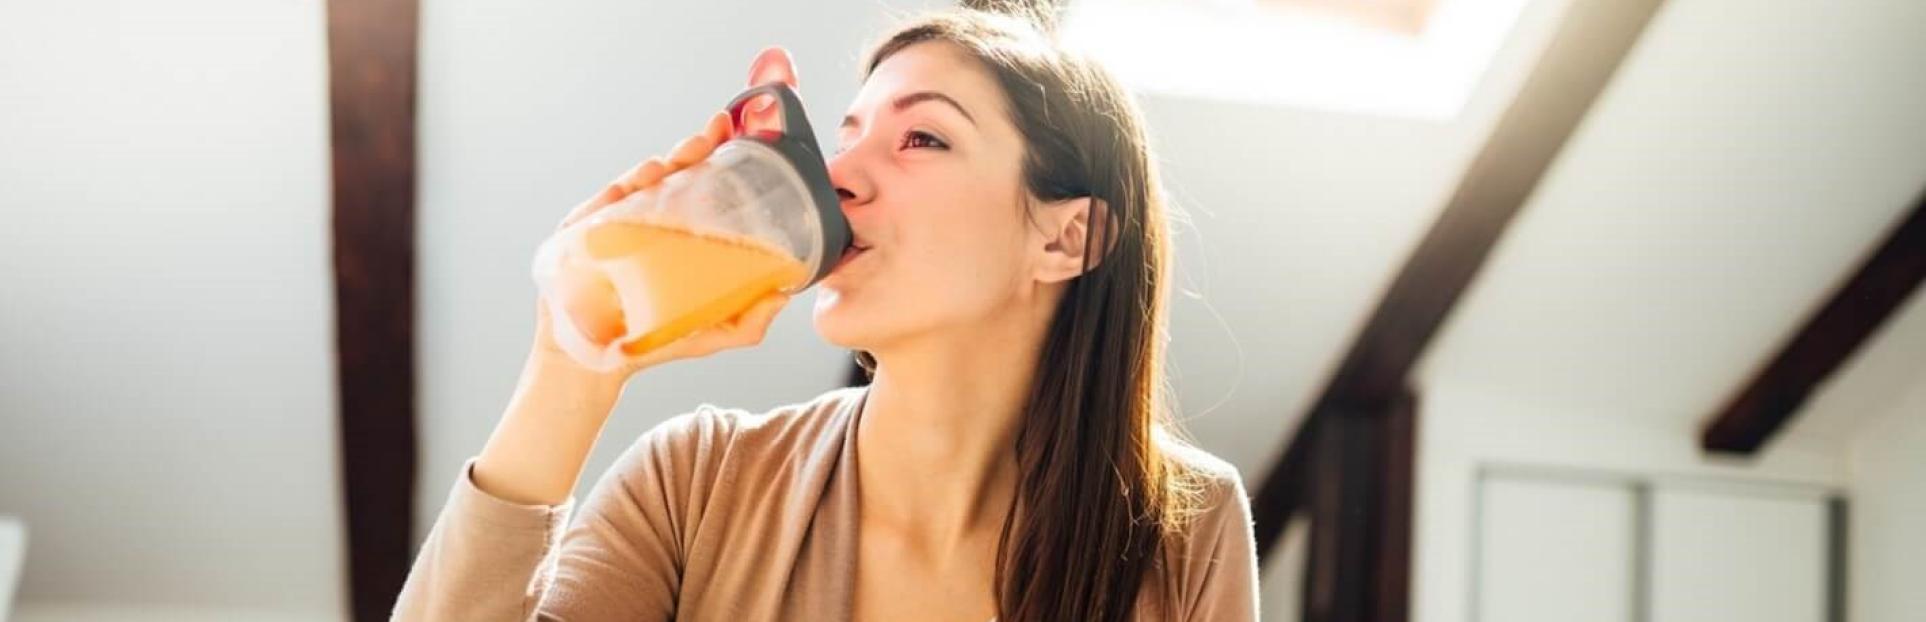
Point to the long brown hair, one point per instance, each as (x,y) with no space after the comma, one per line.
(1097,494)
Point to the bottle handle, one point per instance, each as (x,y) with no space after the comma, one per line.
(792,121)
(797,142)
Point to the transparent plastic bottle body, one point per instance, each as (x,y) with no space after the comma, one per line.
(697,249)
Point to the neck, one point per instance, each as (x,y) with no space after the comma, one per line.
(938,435)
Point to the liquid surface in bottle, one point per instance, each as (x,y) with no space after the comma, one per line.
(673,282)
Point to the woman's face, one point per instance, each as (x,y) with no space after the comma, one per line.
(928,168)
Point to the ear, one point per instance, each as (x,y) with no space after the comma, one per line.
(1067,228)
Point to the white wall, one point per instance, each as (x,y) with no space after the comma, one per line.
(1463,427)
(1888,553)
(166,380)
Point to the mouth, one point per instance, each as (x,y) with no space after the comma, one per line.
(850,254)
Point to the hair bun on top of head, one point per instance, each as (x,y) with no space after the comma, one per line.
(1040,14)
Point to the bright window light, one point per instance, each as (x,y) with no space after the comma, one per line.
(1295,53)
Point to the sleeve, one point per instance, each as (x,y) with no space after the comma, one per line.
(1225,568)
(621,559)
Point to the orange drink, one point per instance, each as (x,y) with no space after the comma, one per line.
(645,285)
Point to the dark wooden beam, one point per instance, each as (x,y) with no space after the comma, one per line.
(1853,313)
(1359,499)
(1591,42)
(1282,493)
(371,54)
(1581,59)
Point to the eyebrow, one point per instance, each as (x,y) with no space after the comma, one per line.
(918,97)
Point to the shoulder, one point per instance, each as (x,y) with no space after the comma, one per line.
(779,425)
(1212,559)
(1218,488)
(711,433)
(715,454)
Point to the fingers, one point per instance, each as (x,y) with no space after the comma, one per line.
(765,311)
(744,330)
(582,211)
(648,173)
(691,150)
(749,327)
(721,128)
(772,64)
(651,171)
(762,114)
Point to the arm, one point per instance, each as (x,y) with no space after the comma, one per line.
(506,512)
(496,548)
(488,558)
(536,453)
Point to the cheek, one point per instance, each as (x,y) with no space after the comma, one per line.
(953,256)
(959,268)
(938,272)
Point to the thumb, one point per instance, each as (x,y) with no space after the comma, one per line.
(773,64)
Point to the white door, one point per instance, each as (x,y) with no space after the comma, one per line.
(1720,556)
(1553,550)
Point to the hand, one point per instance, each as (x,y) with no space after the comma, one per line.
(747,328)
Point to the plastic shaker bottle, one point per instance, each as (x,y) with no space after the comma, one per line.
(758,216)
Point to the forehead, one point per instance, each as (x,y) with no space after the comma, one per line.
(931,66)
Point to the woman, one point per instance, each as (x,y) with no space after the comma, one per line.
(1016,460)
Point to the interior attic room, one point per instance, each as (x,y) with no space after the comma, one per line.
(1009,310)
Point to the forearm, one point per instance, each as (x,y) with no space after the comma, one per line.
(536,452)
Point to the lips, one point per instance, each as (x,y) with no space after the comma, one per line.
(850,254)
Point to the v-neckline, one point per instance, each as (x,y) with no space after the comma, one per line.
(846,489)
(847,478)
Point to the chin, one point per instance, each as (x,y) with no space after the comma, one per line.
(839,322)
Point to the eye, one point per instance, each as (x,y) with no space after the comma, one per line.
(917,139)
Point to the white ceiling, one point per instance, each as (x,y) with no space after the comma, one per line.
(1740,166)
(1298,219)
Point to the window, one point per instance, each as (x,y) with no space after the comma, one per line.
(1400,16)
(1403,58)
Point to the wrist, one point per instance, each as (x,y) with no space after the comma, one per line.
(563,377)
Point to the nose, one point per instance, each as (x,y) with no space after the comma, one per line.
(851,183)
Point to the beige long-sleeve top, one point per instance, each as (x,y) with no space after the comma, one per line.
(720,514)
